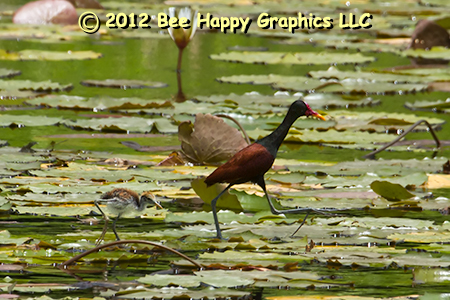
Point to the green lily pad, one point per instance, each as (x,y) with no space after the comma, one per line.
(5,205)
(422,237)
(48,55)
(316,38)
(438,73)
(84,186)
(207,194)
(303,58)
(68,199)
(9,73)
(379,121)
(16,94)
(369,45)
(416,179)
(186,108)
(172,293)
(355,86)
(166,280)
(24,120)
(107,173)
(138,34)
(334,73)
(382,168)
(53,211)
(439,105)
(390,191)
(124,124)
(41,86)
(42,33)
(98,103)
(301,83)
(434,53)
(6,237)
(284,99)
(124,84)
(330,136)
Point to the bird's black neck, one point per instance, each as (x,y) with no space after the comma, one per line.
(273,141)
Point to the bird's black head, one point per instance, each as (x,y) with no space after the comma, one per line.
(297,109)
(300,108)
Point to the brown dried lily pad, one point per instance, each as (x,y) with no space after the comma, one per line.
(86,4)
(209,140)
(46,12)
(439,86)
(446,167)
(174,159)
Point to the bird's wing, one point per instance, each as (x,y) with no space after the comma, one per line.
(248,164)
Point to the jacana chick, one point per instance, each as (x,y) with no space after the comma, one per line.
(252,162)
(122,201)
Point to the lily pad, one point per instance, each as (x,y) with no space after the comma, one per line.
(390,191)
(301,83)
(355,86)
(207,194)
(98,103)
(439,105)
(434,53)
(379,121)
(46,12)
(439,86)
(48,55)
(438,72)
(393,45)
(123,124)
(42,86)
(330,136)
(209,139)
(303,58)
(177,292)
(16,94)
(138,34)
(9,73)
(24,120)
(86,4)
(333,73)
(165,280)
(383,168)
(124,84)
(285,99)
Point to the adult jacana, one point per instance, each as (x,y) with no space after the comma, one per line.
(252,162)
(122,201)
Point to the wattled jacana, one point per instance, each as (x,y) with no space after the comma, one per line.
(123,201)
(252,162)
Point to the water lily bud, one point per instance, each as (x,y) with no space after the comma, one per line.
(182,36)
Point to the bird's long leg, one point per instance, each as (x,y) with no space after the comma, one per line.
(114,227)
(105,227)
(214,210)
(275,211)
(303,222)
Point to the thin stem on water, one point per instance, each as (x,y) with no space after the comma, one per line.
(180,97)
(77,257)
(180,59)
(237,123)
(371,155)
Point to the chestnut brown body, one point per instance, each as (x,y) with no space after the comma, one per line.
(249,164)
